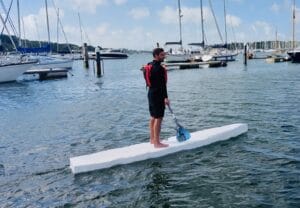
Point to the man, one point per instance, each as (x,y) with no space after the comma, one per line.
(157,96)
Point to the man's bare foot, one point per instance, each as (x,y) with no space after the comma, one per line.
(152,141)
(160,145)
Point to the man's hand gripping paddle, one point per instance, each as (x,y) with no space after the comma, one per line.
(181,133)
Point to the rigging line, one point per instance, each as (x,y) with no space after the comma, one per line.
(212,10)
(62,28)
(83,31)
(57,32)
(7,14)
(225,23)
(24,34)
(87,37)
(37,32)
(233,32)
(19,24)
(80,28)
(47,20)
(205,38)
(12,41)
(8,18)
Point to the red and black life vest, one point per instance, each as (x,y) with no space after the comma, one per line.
(147,73)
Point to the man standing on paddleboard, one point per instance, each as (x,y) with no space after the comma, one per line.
(157,95)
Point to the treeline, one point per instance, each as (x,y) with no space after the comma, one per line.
(7,46)
(263,45)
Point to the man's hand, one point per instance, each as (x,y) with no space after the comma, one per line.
(167,101)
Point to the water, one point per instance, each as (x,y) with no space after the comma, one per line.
(43,124)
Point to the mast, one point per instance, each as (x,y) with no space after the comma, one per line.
(19,23)
(225,23)
(202,22)
(57,31)
(47,17)
(276,39)
(294,19)
(180,16)
(80,28)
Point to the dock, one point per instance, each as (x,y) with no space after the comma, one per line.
(193,65)
(45,74)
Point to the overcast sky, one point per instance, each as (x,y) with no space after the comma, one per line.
(139,24)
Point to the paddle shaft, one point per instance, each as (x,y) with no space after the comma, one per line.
(173,115)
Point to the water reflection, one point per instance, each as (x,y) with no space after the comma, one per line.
(43,124)
(157,187)
(2,170)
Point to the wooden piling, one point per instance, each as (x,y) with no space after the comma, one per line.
(245,54)
(98,64)
(85,56)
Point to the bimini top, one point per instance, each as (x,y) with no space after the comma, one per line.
(197,44)
(174,43)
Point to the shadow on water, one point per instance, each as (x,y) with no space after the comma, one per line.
(122,185)
(99,82)
(2,170)
(157,187)
(57,170)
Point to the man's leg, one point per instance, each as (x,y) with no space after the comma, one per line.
(157,128)
(151,128)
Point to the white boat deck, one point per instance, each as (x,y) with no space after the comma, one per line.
(193,64)
(143,151)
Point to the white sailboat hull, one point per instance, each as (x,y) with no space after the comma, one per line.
(143,151)
(173,58)
(54,63)
(10,72)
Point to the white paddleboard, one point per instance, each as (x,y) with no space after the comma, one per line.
(144,151)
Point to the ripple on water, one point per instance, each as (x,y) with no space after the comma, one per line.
(45,123)
(2,170)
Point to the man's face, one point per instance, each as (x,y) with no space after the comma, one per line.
(161,56)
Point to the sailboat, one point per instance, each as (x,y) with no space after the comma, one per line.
(178,54)
(199,54)
(49,61)
(277,55)
(220,52)
(13,66)
(295,52)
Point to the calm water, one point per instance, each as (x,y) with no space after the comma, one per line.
(43,124)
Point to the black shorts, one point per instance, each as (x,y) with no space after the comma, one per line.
(156,105)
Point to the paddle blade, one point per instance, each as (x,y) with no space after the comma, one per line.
(182,134)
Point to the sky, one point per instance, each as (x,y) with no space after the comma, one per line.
(140,24)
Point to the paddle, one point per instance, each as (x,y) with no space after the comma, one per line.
(181,133)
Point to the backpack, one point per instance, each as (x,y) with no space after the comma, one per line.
(147,73)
